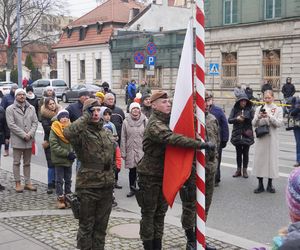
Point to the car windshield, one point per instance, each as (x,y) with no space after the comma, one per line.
(59,83)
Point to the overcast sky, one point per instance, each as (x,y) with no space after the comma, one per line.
(78,8)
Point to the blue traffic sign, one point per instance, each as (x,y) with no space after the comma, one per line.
(151,49)
(139,57)
(214,69)
(151,60)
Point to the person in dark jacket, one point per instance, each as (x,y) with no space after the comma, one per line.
(32,98)
(48,110)
(242,137)
(295,113)
(288,89)
(131,91)
(75,109)
(4,133)
(117,118)
(266,86)
(146,105)
(106,90)
(224,130)
(7,100)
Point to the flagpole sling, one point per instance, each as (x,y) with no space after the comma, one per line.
(200,114)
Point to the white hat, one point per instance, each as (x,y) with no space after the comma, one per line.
(19,91)
(134,105)
(49,88)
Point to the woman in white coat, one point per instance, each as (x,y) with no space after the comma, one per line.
(132,142)
(266,148)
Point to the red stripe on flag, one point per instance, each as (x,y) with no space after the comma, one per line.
(178,160)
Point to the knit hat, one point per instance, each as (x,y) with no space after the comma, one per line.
(134,105)
(91,102)
(49,88)
(108,126)
(100,95)
(20,91)
(145,96)
(83,92)
(102,110)
(62,113)
(293,195)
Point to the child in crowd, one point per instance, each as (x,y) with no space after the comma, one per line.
(289,238)
(62,157)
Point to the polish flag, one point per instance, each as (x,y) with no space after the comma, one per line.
(7,39)
(178,160)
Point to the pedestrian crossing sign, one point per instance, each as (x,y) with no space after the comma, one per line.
(214,69)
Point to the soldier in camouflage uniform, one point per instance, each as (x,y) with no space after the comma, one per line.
(188,190)
(150,169)
(94,147)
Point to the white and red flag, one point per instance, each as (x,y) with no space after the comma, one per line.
(178,160)
(7,39)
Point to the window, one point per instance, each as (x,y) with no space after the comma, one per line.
(69,32)
(99,27)
(271,67)
(272,9)
(82,32)
(229,72)
(98,68)
(230,11)
(59,83)
(82,69)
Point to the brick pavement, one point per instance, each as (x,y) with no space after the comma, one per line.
(34,214)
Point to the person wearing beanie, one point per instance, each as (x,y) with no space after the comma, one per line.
(100,97)
(95,149)
(146,105)
(62,157)
(49,110)
(22,121)
(242,136)
(132,138)
(48,92)
(289,238)
(32,98)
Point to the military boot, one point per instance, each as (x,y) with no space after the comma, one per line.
(148,244)
(19,187)
(245,174)
(61,202)
(191,239)
(237,173)
(270,187)
(260,187)
(157,244)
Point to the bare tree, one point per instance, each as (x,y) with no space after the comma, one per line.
(32,12)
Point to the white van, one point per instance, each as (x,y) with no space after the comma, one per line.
(58,85)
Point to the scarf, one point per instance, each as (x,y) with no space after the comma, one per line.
(58,129)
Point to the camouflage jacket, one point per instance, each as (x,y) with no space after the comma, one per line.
(156,137)
(94,147)
(212,133)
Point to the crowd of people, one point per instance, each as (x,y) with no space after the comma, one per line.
(99,137)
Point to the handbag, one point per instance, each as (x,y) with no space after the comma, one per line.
(292,123)
(262,131)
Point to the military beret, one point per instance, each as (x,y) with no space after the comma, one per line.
(156,94)
(91,102)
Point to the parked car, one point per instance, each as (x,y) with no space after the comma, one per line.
(5,87)
(58,85)
(71,94)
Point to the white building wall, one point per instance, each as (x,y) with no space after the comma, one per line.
(89,54)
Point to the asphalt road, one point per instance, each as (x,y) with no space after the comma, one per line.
(235,208)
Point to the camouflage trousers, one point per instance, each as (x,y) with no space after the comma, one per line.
(188,197)
(95,208)
(153,207)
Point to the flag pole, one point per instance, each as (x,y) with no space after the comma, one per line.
(200,114)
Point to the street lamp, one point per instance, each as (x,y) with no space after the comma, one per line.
(19,46)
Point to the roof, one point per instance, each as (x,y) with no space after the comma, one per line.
(110,11)
(112,14)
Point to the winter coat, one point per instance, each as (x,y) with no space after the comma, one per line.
(95,148)
(242,132)
(46,116)
(132,139)
(295,109)
(144,90)
(117,118)
(131,90)
(59,151)
(147,111)
(222,120)
(21,123)
(266,149)
(4,131)
(42,101)
(8,100)
(75,110)
(288,90)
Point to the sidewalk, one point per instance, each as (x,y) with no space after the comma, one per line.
(30,221)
